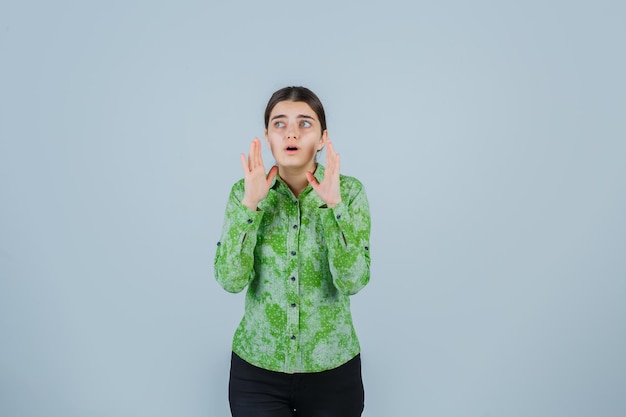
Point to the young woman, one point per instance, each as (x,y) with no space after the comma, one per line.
(298,238)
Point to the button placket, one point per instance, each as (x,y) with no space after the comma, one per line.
(293,315)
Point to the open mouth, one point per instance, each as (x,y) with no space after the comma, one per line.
(291,148)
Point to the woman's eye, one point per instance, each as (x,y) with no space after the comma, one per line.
(305,123)
(279,124)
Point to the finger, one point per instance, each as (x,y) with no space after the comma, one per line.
(251,156)
(244,164)
(329,150)
(329,147)
(259,153)
(258,159)
(333,170)
(331,158)
(272,174)
(312,180)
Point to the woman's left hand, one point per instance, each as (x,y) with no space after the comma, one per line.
(328,189)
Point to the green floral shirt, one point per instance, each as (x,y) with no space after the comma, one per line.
(300,261)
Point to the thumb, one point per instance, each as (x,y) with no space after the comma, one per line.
(272,174)
(312,180)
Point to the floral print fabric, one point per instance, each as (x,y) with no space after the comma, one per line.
(300,262)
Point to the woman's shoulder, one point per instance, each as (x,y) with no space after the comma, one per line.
(350,183)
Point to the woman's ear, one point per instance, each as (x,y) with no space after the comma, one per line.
(323,140)
(267,139)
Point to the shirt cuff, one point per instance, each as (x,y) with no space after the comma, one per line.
(336,218)
(247,219)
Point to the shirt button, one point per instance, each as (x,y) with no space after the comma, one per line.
(295,226)
(293,304)
(219,243)
(295,202)
(367,248)
(293,278)
(293,253)
(293,337)
(338,216)
(249,221)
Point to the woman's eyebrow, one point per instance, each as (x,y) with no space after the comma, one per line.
(300,116)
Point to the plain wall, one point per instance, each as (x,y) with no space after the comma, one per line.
(490,138)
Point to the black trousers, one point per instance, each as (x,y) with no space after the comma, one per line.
(257,392)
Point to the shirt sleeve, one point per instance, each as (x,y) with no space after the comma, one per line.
(234,257)
(347,232)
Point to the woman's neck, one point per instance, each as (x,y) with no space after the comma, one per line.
(295,177)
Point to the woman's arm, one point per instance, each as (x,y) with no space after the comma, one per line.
(234,257)
(347,232)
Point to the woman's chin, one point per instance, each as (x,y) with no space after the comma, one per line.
(293,163)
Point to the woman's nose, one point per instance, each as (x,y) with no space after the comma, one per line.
(292,133)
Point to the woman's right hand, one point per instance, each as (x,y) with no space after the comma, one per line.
(256,182)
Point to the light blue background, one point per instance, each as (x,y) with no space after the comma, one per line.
(490,136)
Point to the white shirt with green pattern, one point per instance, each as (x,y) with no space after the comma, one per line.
(300,261)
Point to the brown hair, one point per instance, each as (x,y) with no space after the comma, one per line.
(296,94)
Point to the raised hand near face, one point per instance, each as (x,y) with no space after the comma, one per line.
(256,182)
(328,190)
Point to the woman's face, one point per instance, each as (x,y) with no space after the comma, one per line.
(294,134)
